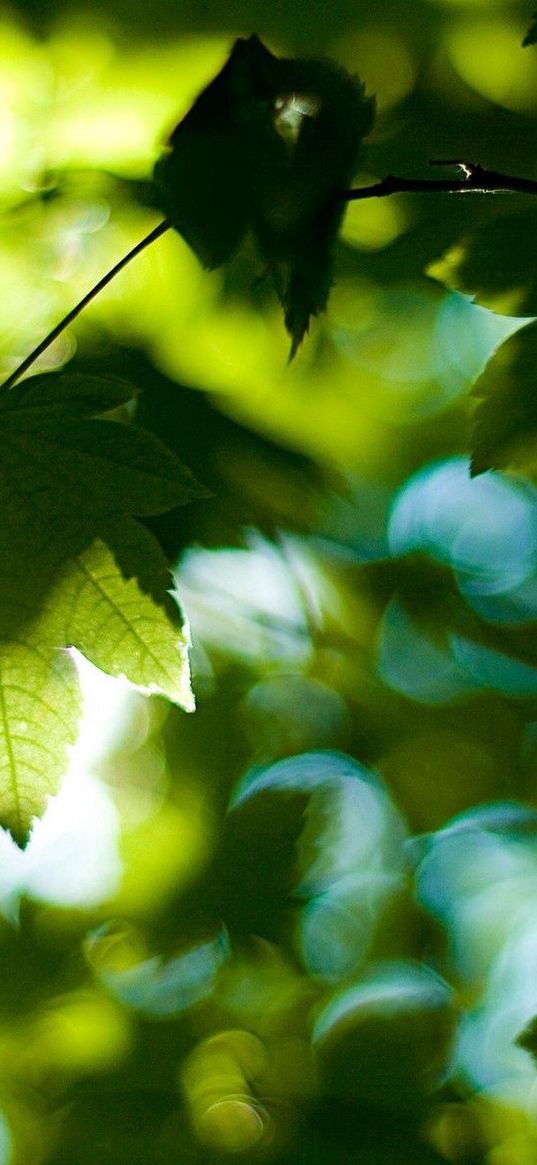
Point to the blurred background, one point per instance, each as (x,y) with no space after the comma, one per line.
(299,925)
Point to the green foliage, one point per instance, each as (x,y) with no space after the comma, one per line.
(505,419)
(40,711)
(74,574)
(266,148)
(496,264)
(298,925)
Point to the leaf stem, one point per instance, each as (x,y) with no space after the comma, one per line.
(87,298)
(477,179)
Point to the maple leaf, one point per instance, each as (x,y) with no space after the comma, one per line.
(77,570)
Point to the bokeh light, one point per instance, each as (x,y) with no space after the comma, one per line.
(418,351)
(486,54)
(383,60)
(478,874)
(412,662)
(352,824)
(386,1027)
(250,601)
(484,528)
(149,985)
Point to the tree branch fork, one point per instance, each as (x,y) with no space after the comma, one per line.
(475,179)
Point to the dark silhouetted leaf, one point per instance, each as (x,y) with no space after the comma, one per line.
(39,711)
(254,481)
(505,419)
(531,35)
(497,264)
(53,454)
(67,394)
(324,114)
(209,180)
(267,147)
(527,1038)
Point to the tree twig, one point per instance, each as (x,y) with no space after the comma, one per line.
(87,298)
(477,179)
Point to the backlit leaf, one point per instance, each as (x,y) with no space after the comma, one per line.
(115,607)
(76,570)
(528,1037)
(39,710)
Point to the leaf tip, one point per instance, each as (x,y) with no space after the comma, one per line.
(527,1038)
(531,35)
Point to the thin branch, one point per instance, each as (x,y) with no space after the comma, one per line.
(87,298)
(477,180)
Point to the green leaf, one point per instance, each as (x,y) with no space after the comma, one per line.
(116,608)
(39,710)
(267,147)
(77,570)
(324,115)
(62,477)
(496,263)
(72,393)
(207,181)
(52,456)
(505,419)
